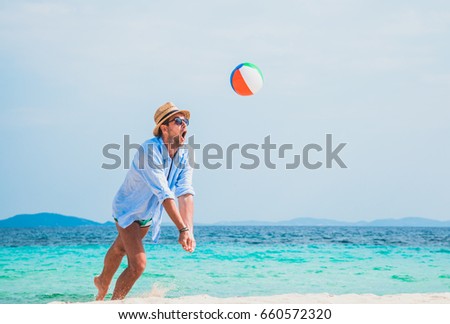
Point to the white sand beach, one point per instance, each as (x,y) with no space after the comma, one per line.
(431,298)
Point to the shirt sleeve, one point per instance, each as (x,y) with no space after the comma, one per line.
(152,171)
(183,185)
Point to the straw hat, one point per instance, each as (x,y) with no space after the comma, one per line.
(164,112)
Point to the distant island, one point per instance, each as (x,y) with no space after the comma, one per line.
(308,221)
(58,220)
(47,220)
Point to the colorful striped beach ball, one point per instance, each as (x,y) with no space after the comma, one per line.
(246,79)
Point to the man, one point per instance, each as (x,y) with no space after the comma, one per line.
(160,172)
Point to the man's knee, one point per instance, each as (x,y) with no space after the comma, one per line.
(137,266)
(119,250)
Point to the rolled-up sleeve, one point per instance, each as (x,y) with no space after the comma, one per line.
(153,174)
(183,185)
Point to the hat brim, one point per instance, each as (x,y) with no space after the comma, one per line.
(186,113)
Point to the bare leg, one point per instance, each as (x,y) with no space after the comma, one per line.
(137,260)
(112,262)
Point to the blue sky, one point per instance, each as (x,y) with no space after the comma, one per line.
(75,76)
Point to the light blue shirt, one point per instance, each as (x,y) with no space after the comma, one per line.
(152,178)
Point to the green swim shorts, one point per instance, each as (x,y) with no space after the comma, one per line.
(142,223)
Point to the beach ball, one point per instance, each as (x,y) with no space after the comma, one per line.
(246,79)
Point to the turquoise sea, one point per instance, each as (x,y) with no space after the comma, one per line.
(43,265)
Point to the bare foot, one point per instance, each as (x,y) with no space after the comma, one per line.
(102,290)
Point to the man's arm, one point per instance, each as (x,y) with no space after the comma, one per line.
(186,238)
(186,204)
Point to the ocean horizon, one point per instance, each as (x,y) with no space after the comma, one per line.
(57,264)
(49,219)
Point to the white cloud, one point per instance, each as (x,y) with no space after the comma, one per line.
(437,79)
(412,23)
(35,118)
(47,8)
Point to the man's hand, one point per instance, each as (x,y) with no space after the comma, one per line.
(187,241)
